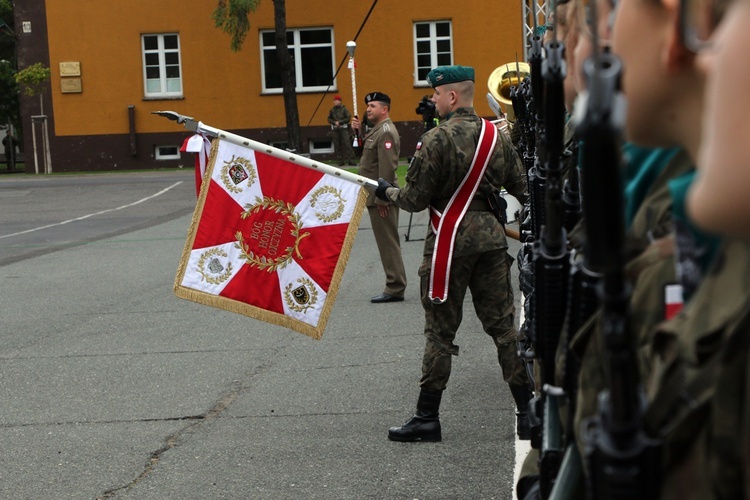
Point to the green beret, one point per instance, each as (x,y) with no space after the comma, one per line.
(449,74)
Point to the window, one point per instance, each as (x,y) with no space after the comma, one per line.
(312,56)
(162,76)
(167,153)
(433,46)
(320,146)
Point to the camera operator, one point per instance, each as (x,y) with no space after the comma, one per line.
(426,108)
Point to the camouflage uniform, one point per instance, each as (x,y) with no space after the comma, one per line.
(480,261)
(700,386)
(650,267)
(380,152)
(341,134)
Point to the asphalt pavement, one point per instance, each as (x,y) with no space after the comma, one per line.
(112,387)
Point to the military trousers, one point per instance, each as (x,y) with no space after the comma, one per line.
(388,240)
(342,145)
(487,275)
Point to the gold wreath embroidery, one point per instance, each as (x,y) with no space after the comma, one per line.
(326,203)
(245,164)
(294,305)
(262,262)
(212,278)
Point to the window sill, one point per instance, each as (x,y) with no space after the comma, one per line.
(164,98)
(332,90)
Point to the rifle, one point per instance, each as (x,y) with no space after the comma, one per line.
(571,192)
(551,259)
(534,160)
(526,117)
(623,461)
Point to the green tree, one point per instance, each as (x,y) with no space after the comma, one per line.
(33,79)
(232,17)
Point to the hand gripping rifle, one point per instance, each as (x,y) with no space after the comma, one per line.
(623,461)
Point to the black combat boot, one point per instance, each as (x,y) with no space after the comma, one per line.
(424,425)
(521,395)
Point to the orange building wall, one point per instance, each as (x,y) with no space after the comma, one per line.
(223,88)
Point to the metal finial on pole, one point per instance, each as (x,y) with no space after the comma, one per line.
(350,46)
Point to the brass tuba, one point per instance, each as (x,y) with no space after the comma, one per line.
(502,79)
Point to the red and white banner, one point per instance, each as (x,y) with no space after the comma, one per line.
(269,239)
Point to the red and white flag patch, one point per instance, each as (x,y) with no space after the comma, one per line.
(673,300)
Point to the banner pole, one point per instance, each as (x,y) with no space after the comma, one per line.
(199,127)
(350,46)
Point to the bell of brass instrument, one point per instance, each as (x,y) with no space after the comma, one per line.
(502,79)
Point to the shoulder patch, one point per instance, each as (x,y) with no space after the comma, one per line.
(388,144)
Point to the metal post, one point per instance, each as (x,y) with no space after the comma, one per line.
(47,154)
(34,120)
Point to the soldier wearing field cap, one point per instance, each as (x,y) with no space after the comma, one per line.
(458,165)
(339,118)
(380,150)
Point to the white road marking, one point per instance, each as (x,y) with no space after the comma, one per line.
(522,447)
(93,214)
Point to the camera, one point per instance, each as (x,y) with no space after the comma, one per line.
(426,108)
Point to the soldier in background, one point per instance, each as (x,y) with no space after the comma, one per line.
(339,118)
(380,152)
(9,146)
(478,255)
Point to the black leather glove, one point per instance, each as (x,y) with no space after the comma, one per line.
(382,186)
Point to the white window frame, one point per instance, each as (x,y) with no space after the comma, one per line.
(164,81)
(296,49)
(433,38)
(159,155)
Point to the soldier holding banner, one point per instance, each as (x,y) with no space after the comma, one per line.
(465,246)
